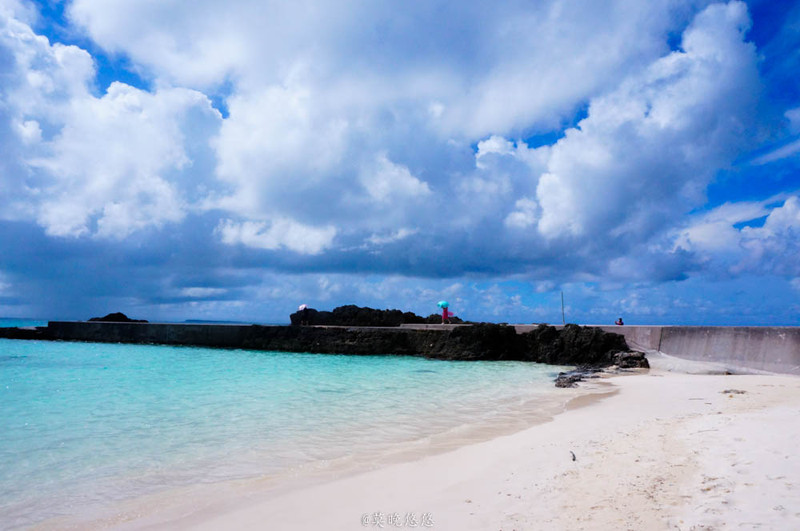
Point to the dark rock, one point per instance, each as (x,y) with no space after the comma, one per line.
(351,315)
(572,345)
(478,342)
(568,380)
(571,378)
(320,340)
(483,341)
(630,360)
(436,318)
(39,332)
(310,315)
(117,317)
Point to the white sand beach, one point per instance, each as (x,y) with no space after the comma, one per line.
(658,450)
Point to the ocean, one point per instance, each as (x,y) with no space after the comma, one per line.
(86,425)
(6,322)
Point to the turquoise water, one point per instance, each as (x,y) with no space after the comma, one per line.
(83,425)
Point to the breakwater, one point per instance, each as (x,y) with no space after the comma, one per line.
(763,348)
(570,345)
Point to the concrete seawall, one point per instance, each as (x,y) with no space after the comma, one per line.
(207,335)
(762,348)
(483,342)
(740,348)
(736,348)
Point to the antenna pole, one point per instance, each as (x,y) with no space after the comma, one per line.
(563,319)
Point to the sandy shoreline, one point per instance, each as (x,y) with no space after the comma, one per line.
(661,450)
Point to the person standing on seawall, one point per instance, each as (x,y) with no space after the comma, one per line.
(619,322)
(445,312)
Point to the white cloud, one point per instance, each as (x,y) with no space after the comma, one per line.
(545,286)
(202,292)
(493,145)
(793,115)
(147,32)
(769,248)
(315,92)
(782,152)
(775,246)
(384,181)
(482,196)
(714,231)
(647,150)
(277,234)
(107,166)
(525,214)
(504,183)
(40,79)
(341,138)
(394,236)
(795,283)
(29,131)
(479,71)
(547,59)
(275,144)
(742,211)
(111,161)
(713,236)
(784,218)
(17,9)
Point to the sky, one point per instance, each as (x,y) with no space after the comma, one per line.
(229,161)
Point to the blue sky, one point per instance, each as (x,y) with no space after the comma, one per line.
(194,160)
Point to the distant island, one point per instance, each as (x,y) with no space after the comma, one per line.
(116,317)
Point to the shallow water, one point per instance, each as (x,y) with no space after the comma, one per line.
(83,425)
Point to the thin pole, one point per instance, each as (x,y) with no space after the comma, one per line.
(563,320)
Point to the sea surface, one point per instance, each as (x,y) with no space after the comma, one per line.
(87,425)
(6,322)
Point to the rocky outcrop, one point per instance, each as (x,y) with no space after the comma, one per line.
(351,315)
(630,360)
(484,341)
(117,317)
(571,378)
(572,345)
(625,362)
